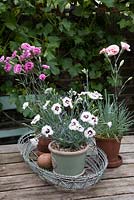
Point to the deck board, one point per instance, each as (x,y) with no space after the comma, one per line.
(126,148)
(11,148)
(110,187)
(10,158)
(20,168)
(17,181)
(128,139)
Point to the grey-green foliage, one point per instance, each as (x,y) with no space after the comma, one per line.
(117,114)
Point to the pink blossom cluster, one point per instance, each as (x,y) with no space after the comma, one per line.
(113,50)
(25,60)
(29,51)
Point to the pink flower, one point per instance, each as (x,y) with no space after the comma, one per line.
(27,54)
(112,50)
(14,54)
(17,69)
(36,50)
(28,66)
(21,58)
(45,66)
(26,46)
(8,67)
(8,59)
(2,58)
(102,51)
(125,46)
(42,77)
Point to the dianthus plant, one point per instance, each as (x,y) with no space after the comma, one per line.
(69,120)
(112,54)
(26,64)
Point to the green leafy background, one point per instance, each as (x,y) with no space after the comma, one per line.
(71,34)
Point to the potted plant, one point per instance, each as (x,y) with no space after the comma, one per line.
(115,119)
(69,121)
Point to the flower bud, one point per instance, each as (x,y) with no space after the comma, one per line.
(129,78)
(121,63)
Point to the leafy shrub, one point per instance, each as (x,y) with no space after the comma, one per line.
(70,32)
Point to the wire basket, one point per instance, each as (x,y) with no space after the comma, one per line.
(96,163)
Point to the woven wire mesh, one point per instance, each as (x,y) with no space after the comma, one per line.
(96,163)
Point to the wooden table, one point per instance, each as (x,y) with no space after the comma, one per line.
(18,182)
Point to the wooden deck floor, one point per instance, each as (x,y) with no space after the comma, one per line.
(18,182)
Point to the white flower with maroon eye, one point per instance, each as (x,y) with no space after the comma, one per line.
(74,125)
(46,130)
(35,119)
(67,102)
(93,120)
(85,116)
(56,108)
(89,132)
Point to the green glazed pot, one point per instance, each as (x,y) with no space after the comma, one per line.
(68,163)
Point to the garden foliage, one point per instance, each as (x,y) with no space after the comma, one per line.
(71,33)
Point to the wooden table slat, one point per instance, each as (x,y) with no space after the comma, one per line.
(6,158)
(36,193)
(20,168)
(126,148)
(9,148)
(108,187)
(128,139)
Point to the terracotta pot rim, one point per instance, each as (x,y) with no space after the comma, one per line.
(103,138)
(66,152)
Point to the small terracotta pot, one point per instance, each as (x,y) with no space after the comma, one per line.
(111,147)
(42,146)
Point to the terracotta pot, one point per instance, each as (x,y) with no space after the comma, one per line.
(42,146)
(111,147)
